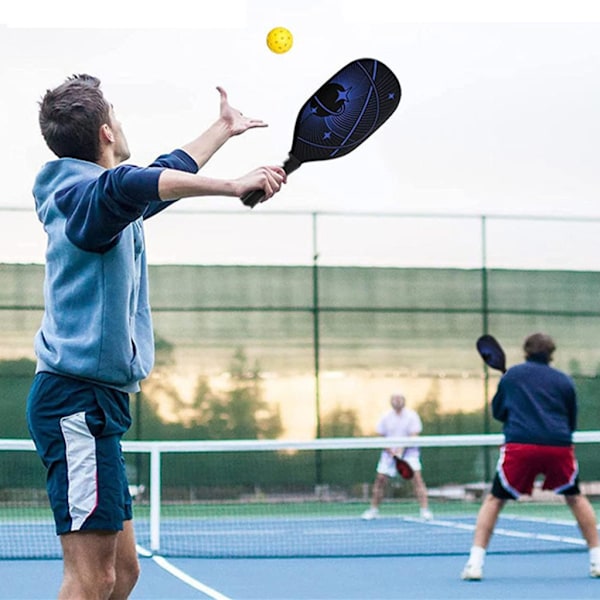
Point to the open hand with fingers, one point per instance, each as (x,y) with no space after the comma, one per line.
(235,121)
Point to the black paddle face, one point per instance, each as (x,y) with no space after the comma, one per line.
(341,115)
(345,111)
(490,350)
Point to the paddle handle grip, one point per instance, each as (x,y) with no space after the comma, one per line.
(252,198)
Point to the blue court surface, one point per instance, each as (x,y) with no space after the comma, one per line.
(336,559)
(507,576)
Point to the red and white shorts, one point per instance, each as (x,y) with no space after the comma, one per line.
(520,464)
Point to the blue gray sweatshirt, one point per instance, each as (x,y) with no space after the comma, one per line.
(537,405)
(97,324)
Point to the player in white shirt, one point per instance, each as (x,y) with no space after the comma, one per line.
(401,421)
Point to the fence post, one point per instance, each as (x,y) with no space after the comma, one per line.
(485,327)
(316,346)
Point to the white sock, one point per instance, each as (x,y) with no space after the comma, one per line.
(595,555)
(477,556)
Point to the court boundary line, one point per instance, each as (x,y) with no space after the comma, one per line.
(508,532)
(163,563)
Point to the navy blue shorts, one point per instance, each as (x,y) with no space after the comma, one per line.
(77,428)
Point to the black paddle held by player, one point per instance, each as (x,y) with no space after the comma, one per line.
(491,352)
(341,115)
(403,467)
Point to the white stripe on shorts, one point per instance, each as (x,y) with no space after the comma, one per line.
(82,480)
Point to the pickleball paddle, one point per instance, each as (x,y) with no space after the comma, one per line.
(340,115)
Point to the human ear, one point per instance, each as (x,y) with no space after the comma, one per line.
(106,133)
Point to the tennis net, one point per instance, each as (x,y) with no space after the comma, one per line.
(299,498)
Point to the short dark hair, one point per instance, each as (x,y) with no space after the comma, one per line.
(539,346)
(71,115)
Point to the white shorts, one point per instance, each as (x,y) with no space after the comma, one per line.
(387,465)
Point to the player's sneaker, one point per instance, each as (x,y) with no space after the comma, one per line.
(370,514)
(426,514)
(472,572)
(594,569)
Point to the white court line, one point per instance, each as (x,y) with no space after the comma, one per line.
(181,575)
(506,532)
(540,520)
(143,552)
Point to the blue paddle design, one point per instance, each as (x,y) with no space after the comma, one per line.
(341,115)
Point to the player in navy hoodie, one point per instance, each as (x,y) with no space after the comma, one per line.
(537,406)
(95,343)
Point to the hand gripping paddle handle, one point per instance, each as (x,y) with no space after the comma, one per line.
(252,198)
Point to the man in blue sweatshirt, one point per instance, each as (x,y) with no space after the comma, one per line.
(95,343)
(537,405)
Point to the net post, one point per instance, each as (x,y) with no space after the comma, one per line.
(155,500)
